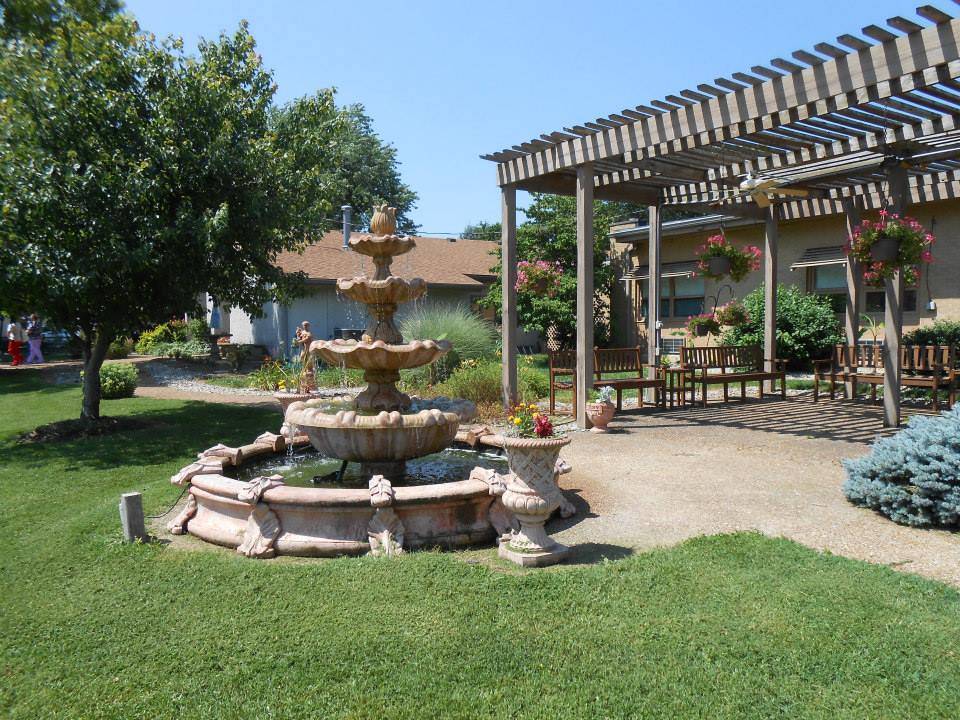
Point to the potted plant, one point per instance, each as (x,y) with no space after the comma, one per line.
(531,493)
(703,325)
(889,244)
(540,277)
(733,314)
(717,258)
(600,412)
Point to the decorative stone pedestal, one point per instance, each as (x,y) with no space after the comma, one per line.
(532,495)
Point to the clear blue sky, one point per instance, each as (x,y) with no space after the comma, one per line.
(446,81)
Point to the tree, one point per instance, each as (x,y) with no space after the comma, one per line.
(133,178)
(39,18)
(550,233)
(336,159)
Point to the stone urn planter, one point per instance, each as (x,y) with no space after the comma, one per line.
(885,250)
(719,265)
(286,399)
(532,496)
(600,414)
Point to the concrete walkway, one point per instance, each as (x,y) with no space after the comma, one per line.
(662,477)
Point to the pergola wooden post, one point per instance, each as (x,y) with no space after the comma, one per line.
(854,305)
(893,310)
(770,237)
(655,240)
(508,259)
(584,378)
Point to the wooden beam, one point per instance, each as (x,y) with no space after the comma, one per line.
(508,257)
(838,82)
(893,310)
(770,242)
(584,378)
(854,285)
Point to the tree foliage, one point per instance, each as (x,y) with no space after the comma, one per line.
(134,177)
(550,233)
(807,327)
(340,159)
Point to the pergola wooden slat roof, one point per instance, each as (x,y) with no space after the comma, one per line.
(870,121)
(848,102)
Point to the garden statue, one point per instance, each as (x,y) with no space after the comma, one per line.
(303,338)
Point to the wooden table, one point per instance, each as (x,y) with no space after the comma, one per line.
(675,385)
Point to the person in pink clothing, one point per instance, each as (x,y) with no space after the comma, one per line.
(35,339)
(15,336)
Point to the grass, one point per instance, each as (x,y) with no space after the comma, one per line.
(736,626)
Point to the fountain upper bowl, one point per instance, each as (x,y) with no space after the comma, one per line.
(379,355)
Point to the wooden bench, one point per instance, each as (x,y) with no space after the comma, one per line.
(726,365)
(926,366)
(563,364)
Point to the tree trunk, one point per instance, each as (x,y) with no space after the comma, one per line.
(94,353)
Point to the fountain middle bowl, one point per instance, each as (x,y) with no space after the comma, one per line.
(379,355)
(381,437)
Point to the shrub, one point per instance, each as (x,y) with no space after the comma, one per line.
(472,337)
(807,327)
(912,477)
(482,382)
(117,380)
(942,332)
(183,349)
(197,329)
(174,331)
(120,348)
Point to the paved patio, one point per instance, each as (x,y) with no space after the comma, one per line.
(771,466)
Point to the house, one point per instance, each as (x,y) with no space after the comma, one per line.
(457,272)
(810,255)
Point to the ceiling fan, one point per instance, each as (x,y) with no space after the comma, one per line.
(763,190)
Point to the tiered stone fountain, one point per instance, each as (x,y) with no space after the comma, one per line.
(380,430)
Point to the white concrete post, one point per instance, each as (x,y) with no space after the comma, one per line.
(131,517)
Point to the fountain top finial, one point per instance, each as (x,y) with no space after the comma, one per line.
(384,221)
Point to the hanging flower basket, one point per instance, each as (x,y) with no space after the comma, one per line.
(539,277)
(888,244)
(733,314)
(717,258)
(703,325)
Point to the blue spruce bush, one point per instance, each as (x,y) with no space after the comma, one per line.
(912,477)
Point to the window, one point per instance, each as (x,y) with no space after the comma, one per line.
(671,345)
(680,297)
(830,281)
(876,300)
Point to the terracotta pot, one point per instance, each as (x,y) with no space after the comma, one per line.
(600,415)
(532,496)
(885,250)
(718,265)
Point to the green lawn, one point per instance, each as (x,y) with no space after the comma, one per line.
(725,627)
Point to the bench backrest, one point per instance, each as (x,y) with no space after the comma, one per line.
(913,358)
(722,357)
(613,360)
(563,362)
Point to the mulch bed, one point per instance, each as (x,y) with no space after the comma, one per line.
(77,429)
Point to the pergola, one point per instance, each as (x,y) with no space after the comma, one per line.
(872,121)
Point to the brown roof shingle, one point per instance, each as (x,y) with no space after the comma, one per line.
(439,261)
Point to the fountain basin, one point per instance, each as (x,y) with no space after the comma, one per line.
(378,355)
(326,522)
(384,437)
(393,290)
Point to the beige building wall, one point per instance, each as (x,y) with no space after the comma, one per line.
(939,281)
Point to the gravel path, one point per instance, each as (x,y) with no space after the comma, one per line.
(774,467)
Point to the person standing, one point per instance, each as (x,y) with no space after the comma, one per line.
(35,339)
(15,337)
